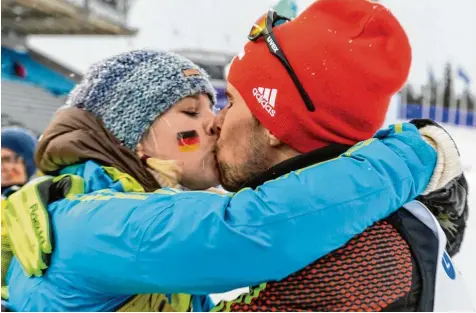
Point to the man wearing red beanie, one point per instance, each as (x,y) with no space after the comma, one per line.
(303,92)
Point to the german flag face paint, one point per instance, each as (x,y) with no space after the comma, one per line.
(188,141)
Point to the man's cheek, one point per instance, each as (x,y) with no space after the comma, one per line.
(232,127)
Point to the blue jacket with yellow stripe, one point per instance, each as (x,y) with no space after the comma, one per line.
(111,245)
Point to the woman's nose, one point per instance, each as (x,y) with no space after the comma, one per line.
(209,130)
(218,121)
(209,125)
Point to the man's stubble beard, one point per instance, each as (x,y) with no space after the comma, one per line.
(258,160)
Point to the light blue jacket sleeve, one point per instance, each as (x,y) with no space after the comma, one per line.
(200,243)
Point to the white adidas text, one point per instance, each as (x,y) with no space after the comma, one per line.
(266,97)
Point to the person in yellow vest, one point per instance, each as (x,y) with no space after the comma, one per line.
(18,167)
(108,239)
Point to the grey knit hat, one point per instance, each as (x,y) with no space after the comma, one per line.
(129,91)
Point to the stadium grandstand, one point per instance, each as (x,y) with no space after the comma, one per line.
(33,82)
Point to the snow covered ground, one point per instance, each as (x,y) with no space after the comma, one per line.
(465,138)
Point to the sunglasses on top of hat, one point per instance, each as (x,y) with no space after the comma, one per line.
(264,27)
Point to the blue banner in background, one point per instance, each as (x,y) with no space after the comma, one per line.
(411,111)
(20,66)
(222,100)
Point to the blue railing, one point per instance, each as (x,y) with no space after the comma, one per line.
(438,114)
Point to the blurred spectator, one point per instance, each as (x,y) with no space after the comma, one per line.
(18,165)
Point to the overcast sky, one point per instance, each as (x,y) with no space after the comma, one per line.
(439,30)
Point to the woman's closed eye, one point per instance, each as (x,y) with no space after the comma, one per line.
(192,113)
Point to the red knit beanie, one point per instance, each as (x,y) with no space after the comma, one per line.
(351,57)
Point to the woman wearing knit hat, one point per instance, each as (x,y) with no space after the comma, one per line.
(18,164)
(120,243)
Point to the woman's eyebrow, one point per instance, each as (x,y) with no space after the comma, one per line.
(198,102)
(193,100)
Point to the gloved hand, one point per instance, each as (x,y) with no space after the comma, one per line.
(27,222)
(447,193)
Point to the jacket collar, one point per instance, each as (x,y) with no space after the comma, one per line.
(97,177)
(297,162)
(75,136)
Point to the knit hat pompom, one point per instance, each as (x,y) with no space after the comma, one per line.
(23,143)
(127,92)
